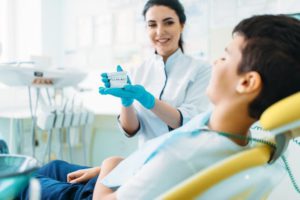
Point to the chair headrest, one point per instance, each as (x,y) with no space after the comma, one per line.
(284,112)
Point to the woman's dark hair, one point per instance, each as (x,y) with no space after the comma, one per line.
(172,4)
(272,48)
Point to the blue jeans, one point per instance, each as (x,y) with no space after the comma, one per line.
(54,185)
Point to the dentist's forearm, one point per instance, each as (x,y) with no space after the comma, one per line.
(128,119)
(167,113)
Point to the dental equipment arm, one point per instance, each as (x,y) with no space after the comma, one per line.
(15,75)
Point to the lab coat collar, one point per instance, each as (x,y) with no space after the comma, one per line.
(172,58)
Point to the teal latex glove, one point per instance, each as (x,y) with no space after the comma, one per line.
(137,92)
(126,102)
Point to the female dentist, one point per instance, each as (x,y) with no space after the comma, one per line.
(169,86)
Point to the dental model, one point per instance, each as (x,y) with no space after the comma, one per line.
(117,79)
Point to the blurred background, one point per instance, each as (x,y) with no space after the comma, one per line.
(94,36)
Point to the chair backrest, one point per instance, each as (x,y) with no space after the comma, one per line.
(251,184)
(200,183)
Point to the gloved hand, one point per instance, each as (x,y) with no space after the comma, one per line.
(137,92)
(126,102)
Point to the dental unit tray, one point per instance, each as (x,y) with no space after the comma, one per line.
(14,165)
(13,75)
(15,173)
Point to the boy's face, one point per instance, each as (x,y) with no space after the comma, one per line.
(224,79)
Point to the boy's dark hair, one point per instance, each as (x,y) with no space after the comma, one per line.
(273,50)
(172,4)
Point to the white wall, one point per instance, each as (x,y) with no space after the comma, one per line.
(208,28)
(28,29)
(92,39)
(52,30)
(20,29)
(224,16)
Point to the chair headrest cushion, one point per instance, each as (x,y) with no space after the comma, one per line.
(281,113)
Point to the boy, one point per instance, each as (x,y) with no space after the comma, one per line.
(260,66)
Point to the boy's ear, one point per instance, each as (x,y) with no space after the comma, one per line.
(249,82)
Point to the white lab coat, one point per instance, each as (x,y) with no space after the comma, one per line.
(180,82)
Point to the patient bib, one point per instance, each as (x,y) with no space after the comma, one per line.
(128,167)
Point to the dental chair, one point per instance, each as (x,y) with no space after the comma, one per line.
(253,173)
(15,175)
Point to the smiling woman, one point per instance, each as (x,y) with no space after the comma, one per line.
(164,28)
(169,86)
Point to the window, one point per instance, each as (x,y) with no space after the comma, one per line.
(20,29)
(3,29)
